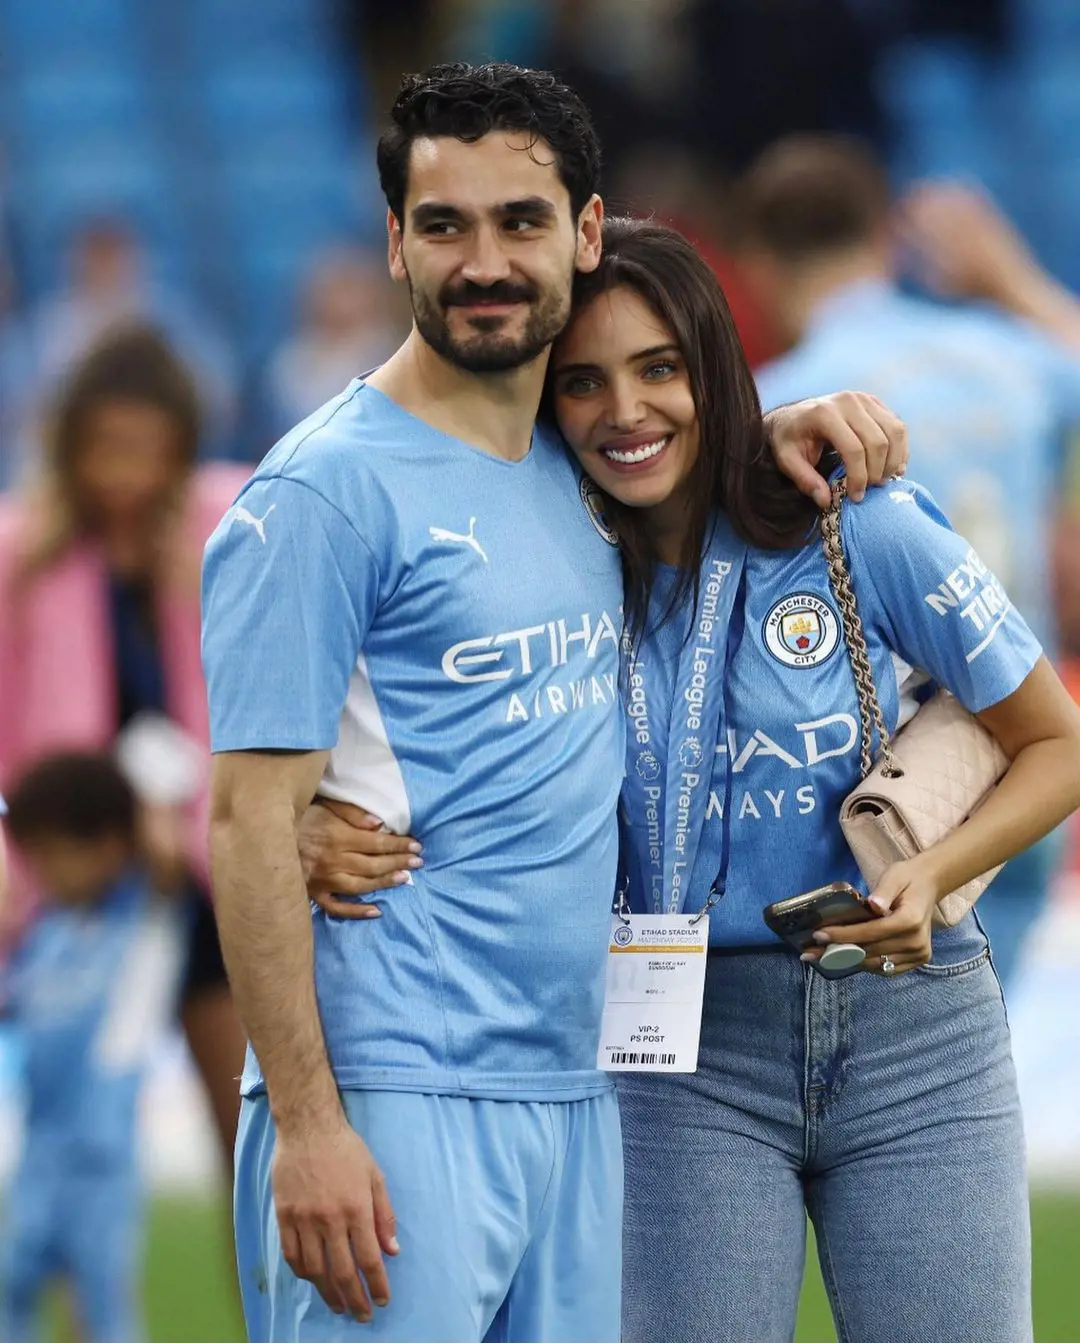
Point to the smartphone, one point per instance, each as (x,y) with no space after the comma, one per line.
(797,918)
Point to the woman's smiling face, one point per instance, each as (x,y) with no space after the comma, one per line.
(623,400)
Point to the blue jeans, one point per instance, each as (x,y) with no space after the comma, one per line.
(886,1109)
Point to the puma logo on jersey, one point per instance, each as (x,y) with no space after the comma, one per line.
(249,519)
(468,539)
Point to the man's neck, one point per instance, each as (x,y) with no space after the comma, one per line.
(494,412)
(812,285)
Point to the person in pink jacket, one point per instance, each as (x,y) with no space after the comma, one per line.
(99,594)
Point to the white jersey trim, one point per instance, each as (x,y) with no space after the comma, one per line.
(363,768)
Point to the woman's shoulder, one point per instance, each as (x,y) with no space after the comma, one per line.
(895,516)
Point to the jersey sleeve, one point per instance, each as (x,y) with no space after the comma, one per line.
(289,592)
(937,604)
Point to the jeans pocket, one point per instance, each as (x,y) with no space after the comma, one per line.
(949,969)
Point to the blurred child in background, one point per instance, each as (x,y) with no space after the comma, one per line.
(91,988)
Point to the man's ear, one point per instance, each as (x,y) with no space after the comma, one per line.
(589,235)
(394,248)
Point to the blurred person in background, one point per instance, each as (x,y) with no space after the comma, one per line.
(108,286)
(989,402)
(99,583)
(90,990)
(16,367)
(349,322)
(966,248)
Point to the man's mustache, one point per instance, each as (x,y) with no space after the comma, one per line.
(464,295)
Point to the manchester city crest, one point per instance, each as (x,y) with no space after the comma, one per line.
(594,506)
(801,630)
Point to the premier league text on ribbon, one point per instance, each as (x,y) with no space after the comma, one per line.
(672,771)
(692,753)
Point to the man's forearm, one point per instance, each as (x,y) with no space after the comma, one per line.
(265,924)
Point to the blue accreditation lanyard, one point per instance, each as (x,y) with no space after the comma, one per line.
(667,785)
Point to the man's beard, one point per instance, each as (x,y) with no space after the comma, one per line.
(488,350)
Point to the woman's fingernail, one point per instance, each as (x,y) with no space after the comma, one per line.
(400,878)
(414,863)
(808,956)
(415,846)
(395,1246)
(373,913)
(821,938)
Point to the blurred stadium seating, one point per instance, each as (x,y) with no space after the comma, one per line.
(225,134)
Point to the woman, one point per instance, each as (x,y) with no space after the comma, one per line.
(882,1104)
(99,585)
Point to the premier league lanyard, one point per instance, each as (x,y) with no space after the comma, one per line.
(668,784)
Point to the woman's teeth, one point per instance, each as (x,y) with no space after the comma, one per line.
(641,454)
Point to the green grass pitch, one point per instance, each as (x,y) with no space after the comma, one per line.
(188,1300)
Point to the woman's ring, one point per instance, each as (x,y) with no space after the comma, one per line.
(887,967)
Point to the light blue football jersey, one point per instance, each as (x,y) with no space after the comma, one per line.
(933,614)
(90,990)
(990,405)
(447,623)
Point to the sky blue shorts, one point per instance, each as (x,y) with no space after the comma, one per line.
(509,1216)
(82,1225)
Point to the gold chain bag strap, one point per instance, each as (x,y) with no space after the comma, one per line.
(927,780)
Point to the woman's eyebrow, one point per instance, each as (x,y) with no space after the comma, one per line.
(668,348)
(650,353)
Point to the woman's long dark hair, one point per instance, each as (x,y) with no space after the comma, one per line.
(735,472)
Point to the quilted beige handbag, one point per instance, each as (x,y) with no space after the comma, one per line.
(927,780)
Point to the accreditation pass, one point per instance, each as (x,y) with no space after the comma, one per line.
(654,994)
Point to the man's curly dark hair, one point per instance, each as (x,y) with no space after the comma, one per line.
(468,101)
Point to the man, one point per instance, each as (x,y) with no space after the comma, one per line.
(988,401)
(414,607)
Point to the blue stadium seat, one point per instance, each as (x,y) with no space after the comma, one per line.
(93,178)
(253,100)
(221,33)
(269,190)
(31,30)
(1046,25)
(62,99)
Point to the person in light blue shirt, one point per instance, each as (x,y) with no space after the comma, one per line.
(990,401)
(415,607)
(88,992)
(884,1103)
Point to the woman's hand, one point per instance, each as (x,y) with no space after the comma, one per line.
(905,897)
(870,439)
(345,851)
